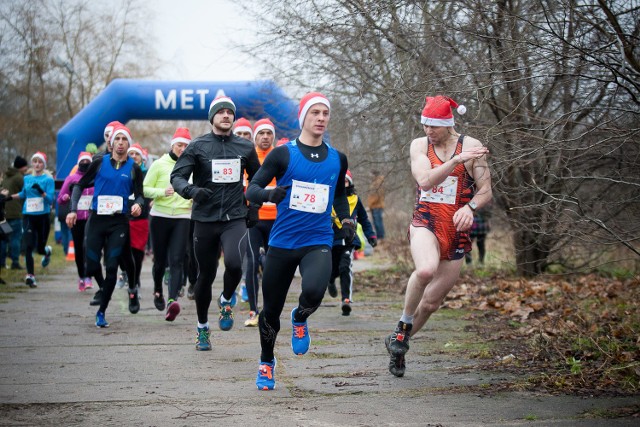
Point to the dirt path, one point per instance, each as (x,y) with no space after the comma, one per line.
(59,369)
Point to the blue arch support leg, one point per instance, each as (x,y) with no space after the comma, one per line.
(125,100)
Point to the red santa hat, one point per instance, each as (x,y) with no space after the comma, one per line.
(437,111)
(349,177)
(85,155)
(109,128)
(121,129)
(137,148)
(263,124)
(181,135)
(282,141)
(40,155)
(242,125)
(218,104)
(307,101)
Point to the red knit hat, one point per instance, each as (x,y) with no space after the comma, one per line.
(263,124)
(282,141)
(137,148)
(307,101)
(181,135)
(85,155)
(243,125)
(349,177)
(218,104)
(437,111)
(40,155)
(109,128)
(122,129)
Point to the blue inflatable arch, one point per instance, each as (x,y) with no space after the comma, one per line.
(125,100)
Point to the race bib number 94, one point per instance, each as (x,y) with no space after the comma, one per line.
(85,202)
(309,197)
(444,193)
(225,171)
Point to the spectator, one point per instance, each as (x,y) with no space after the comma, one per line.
(376,203)
(13,181)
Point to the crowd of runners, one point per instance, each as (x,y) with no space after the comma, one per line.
(265,209)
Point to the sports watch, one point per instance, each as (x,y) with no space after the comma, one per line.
(473,205)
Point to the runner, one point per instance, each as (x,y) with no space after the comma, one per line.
(342,252)
(309,175)
(77,232)
(453,180)
(115,176)
(265,133)
(217,161)
(138,226)
(170,217)
(38,192)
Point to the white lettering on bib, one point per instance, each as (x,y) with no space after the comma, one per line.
(225,171)
(34,204)
(85,202)
(444,193)
(109,205)
(309,197)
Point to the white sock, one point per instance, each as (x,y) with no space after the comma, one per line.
(203,325)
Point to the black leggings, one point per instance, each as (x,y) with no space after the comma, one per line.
(281,265)
(341,267)
(127,263)
(169,238)
(77,232)
(108,233)
(208,239)
(258,237)
(36,232)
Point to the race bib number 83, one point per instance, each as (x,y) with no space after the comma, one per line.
(225,171)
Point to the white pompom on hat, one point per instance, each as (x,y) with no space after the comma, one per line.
(312,98)
(218,104)
(263,124)
(242,125)
(42,156)
(181,135)
(437,111)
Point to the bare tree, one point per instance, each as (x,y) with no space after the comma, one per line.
(57,55)
(552,88)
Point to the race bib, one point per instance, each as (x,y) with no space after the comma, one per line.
(309,197)
(109,205)
(34,204)
(225,171)
(85,202)
(444,193)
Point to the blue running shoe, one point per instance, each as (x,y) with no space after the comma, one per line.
(300,339)
(226,317)
(202,340)
(245,294)
(46,259)
(266,379)
(101,322)
(234,300)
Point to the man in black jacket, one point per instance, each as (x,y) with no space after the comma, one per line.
(217,161)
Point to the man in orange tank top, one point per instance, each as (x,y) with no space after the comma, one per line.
(453,180)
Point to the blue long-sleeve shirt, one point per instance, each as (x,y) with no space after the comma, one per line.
(32,205)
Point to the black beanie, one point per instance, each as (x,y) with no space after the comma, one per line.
(19,162)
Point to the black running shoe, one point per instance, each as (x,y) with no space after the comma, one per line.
(346,307)
(396,362)
(134,302)
(97,298)
(158,301)
(333,291)
(399,339)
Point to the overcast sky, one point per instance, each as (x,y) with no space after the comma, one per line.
(195,38)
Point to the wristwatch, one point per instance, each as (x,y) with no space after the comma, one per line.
(473,205)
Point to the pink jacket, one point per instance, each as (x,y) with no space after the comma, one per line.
(64,196)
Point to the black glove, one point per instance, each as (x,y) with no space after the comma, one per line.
(37,187)
(349,228)
(373,241)
(252,216)
(278,194)
(200,195)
